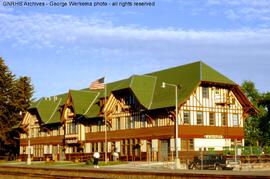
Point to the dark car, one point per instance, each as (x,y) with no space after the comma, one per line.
(210,161)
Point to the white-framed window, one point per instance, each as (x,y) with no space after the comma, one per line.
(235,120)
(199,118)
(212,118)
(205,92)
(223,119)
(186,117)
(217,91)
(133,122)
(118,123)
(72,128)
(128,122)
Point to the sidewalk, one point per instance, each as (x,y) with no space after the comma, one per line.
(147,165)
(252,167)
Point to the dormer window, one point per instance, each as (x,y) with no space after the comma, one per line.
(72,128)
(217,91)
(205,92)
(118,108)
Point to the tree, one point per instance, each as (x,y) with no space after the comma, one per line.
(257,125)
(265,120)
(250,91)
(15,98)
(24,93)
(6,98)
(22,99)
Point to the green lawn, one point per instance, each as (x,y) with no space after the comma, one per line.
(61,164)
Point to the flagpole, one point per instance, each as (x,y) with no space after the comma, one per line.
(105,119)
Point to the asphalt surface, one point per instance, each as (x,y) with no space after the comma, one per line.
(257,169)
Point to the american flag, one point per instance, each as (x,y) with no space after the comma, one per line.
(98,84)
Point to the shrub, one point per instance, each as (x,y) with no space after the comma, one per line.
(89,162)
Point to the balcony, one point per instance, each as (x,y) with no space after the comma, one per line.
(71,138)
(222,100)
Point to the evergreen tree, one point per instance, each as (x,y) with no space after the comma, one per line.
(15,98)
(24,92)
(7,92)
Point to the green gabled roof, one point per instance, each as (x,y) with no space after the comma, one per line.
(85,102)
(48,108)
(146,88)
(148,91)
(34,104)
(56,116)
(143,88)
(211,75)
(118,85)
(188,77)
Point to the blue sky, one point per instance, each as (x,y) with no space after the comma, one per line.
(68,48)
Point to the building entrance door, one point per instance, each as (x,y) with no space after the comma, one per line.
(62,153)
(164,150)
(55,153)
(149,151)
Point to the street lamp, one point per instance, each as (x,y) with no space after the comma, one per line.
(177,160)
(28,162)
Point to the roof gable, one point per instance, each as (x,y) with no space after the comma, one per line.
(186,76)
(48,108)
(85,102)
(211,75)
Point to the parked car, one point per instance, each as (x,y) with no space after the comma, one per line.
(210,161)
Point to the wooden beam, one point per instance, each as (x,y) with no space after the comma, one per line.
(193,94)
(149,119)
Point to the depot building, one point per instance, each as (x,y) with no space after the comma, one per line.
(136,117)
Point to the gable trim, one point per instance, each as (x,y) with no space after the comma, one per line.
(91,103)
(54,110)
(151,102)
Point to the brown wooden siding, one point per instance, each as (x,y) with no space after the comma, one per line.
(143,133)
(185,131)
(188,131)
(43,140)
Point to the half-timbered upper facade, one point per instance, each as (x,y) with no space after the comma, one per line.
(136,117)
